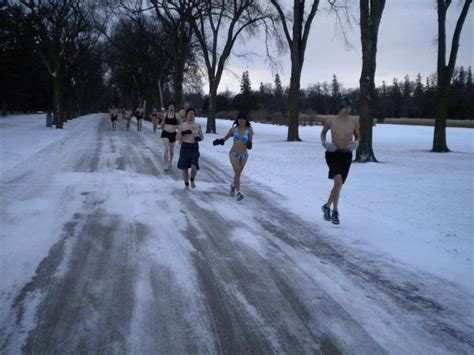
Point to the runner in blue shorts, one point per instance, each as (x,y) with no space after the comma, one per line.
(189,134)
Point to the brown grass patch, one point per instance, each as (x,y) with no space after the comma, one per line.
(429,122)
(310,119)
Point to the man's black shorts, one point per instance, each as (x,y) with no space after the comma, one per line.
(339,163)
(188,155)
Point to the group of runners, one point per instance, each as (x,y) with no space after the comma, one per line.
(126,114)
(181,126)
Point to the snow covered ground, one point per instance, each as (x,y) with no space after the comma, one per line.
(86,211)
(414,206)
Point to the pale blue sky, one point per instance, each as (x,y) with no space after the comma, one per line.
(407,45)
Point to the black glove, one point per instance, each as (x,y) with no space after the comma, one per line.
(218,141)
(187,132)
(197,139)
(249,144)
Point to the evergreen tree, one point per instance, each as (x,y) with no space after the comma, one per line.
(384,88)
(469,80)
(407,87)
(419,96)
(407,106)
(246,100)
(335,87)
(245,84)
(430,98)
(279,100)
(382,103)
(336,95)
(457,105)
(265,96)
(395,96)
(469,93)
(278,87)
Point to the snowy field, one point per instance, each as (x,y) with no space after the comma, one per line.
(86,211)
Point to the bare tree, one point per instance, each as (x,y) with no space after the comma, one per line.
(84,74)
(140,53)
(297,44)
(56,25)
(166,35)
(370,16)
(174,16)
(445,72)
(217,24)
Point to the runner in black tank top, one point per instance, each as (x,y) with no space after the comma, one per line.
(139,116)
(114,117)
(169,125)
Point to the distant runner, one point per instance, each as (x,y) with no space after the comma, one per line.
(114,117)
(183,111)
(155,117)
(139,116)
(127,114)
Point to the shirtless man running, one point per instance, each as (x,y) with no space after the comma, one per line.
(189,134)
(127,115)
(339,154)
(183,111)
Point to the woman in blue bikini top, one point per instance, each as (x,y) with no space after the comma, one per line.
(242,136)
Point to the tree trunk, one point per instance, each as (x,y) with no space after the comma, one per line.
(294,97)
(439,137)
(445,72)
(160,93)
(180,62)
(365,151)
(211,117)
(58,104)
(370,16)
(178,84)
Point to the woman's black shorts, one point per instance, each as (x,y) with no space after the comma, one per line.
(188,155)
(170,135)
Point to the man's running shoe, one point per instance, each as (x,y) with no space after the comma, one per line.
(232,190)
(239,196)
(335,217)
(327,212)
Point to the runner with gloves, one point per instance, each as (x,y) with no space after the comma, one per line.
(339,154)
(242,136)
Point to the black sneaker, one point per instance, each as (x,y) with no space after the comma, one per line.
(335,217)
(327,212)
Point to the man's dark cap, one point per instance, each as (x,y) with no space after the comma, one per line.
(345,102)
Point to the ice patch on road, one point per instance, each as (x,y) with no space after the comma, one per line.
(251,240)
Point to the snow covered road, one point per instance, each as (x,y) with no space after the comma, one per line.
(103,252)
